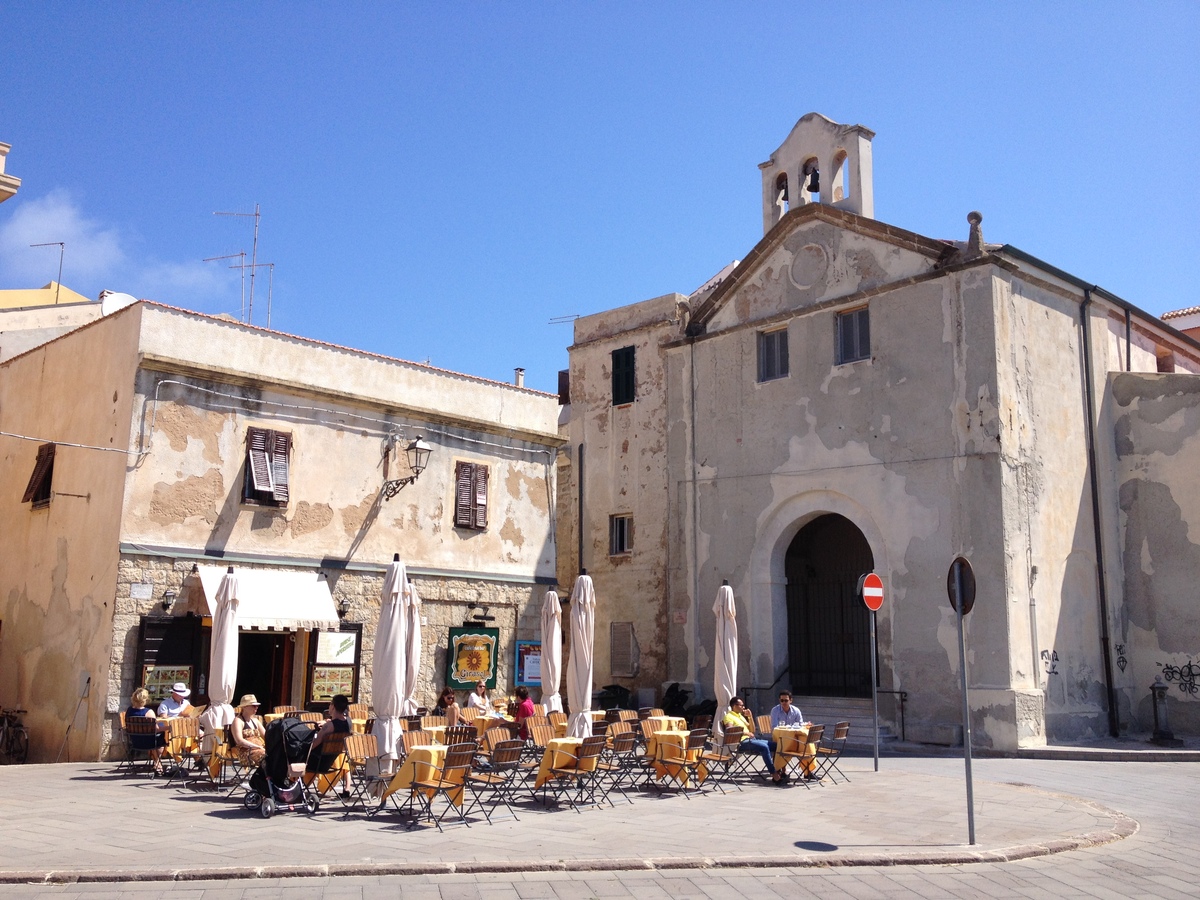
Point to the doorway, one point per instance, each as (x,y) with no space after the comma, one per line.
(829,627)
(265,667)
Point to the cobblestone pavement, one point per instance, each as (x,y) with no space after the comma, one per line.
(847,839)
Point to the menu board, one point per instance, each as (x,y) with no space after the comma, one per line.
(158,680)
(529,663)
(330,680)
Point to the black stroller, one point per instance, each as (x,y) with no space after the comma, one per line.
(278,783)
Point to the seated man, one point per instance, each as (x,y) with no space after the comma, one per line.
(736,717)
(785,713)
(175,705)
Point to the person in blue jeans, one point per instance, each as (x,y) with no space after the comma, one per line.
(737,717)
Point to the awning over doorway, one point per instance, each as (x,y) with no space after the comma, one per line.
(275,601)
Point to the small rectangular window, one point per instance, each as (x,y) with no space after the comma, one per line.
(38,492)
(772,354)
(267,478)
(853,335)
(623,377)
(564,387)
(620,535)
(622,650)
(470,495)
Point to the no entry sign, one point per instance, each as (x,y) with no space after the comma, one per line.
(872,591)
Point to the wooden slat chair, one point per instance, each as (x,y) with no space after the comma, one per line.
(358,711)
(578,782)
(645,729)
(314,717)
(805,757)
(183,749)
(497,783)
(830,751)
(366,770)
(539,709)
(410,739)
(704,722)
(540,735)
(224,765)
(682,767)
(468,715)
(720,758)
(763,724)
(332,766)
(449,782)
(557,718)
(284,710)
(618,766)
(645,712)
(432,721)
(146,729)
(459,734)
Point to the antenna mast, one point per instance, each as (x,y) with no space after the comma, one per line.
(62,248)
(249,314)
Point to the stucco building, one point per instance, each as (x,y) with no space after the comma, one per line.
(852,396)
(147,451)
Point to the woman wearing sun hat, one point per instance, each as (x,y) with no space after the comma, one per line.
(248,732)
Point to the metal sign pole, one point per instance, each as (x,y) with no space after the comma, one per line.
(962,669)
(874,691)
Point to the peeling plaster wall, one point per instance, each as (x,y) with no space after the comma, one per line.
(624,474)
(1157,438)
(59,569)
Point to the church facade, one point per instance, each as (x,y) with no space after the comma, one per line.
(854,397)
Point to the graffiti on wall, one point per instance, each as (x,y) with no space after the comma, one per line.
(1050,661)
(1184,677)
(1122,662)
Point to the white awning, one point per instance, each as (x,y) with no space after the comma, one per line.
(275,601)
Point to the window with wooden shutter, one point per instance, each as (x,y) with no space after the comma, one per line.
(624,377)
(623,650)
(470,495)
(38,490)
(267,459)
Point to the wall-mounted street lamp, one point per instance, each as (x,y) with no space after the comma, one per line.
(343,608)
(418,457)
(168,598)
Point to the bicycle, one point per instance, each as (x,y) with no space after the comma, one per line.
(14,737)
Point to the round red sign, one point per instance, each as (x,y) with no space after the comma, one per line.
(872,592)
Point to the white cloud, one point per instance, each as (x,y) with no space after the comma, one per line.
(93,250)
(97,258)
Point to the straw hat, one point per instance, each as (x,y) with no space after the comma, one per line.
(249,700)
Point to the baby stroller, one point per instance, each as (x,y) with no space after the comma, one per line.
(277,782)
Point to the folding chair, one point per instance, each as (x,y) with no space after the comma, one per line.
(183,748)
(539,709)
(557,718)
(468,715)
(804,757)
(222,760)
(618,764)
(720,758)
(333,768)
(432,721)
(540,734)
(763,724)
(144,727)
(579,778)
(410,739)
(366,769)
(704,722)
(497,783)
(448,782)
(830,751)
(684,767)
(458,734)
(314,717)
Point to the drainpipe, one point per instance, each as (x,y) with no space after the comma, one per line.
(579,536)
(1114,725)
(694,610)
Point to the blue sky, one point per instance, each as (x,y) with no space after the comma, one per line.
(437,181)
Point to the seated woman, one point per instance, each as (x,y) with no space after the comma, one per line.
(478,698)
(524,710)
(148,743)
(337,723)
(447,705)
(248,732)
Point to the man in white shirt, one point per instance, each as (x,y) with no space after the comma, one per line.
(177,704)
(785,713)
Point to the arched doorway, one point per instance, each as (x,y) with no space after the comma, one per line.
(829,628)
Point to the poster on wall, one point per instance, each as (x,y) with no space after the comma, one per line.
(330,680)
(158,680)
(529,663)
(471,657)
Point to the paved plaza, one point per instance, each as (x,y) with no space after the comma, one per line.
(1062,828)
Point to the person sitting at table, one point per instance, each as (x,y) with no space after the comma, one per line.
(447,705)
(337,723)
(736,717)
(785,713)
(249,735)
(478,698)
(177,704)
(150,743)
(524,710)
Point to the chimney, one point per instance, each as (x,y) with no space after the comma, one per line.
(519,377)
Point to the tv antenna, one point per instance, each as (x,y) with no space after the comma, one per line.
(241,254)
(564,320)
(249,312)
(62,248)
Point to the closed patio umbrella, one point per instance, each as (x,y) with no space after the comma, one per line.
(579,673)
(412,643)
(389,668)
(551,652)
(223,658)
(725,659)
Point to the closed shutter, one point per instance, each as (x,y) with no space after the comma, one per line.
(43,468)
(258,441)
(622,650)
(464,476)
(280,445)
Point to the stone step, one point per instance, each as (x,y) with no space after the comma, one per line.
(856,711)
